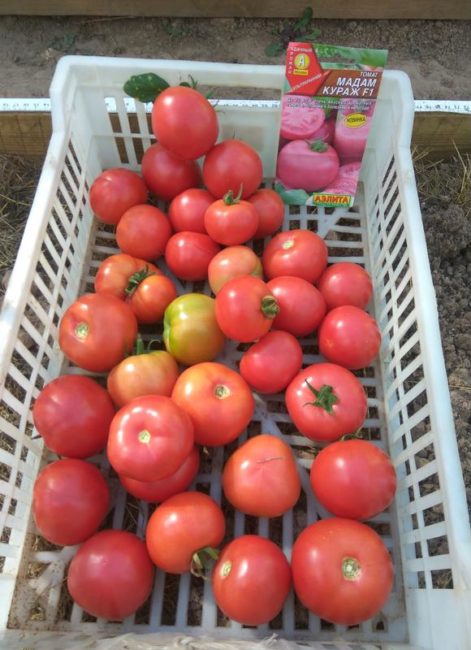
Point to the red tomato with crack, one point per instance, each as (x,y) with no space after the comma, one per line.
(353,479)
(302,306)
(70,500)
(350,337)
(261,477)
(301,253)
(232,262)
(181,529)
(345,283)
(342,571)
(97,331)
(251,580)
(218,401)
(111,575)
(114,191)
(151,296)
(271,363)
(245,309)
(118,274)
(232,165)
(270,209)
(231,221)
(326,401)
(73,415)
(188,255)
(311,166)
(158,491)
(166,175)
(143,231)
(184,122)
(149,438)
(186,211)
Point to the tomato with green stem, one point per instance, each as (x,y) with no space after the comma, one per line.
(231,221)
(150,296)
(117,274)
(232,262)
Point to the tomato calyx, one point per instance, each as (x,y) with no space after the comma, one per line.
(221,391)
(286,245)
(230,199)
(325,397)
(201,559)
(136,279)
(269,307)
(226,569)
(319,146)
(351,568)
(144,436)
(81,331)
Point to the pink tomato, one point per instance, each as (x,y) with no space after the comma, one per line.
(307,165)
(301,117)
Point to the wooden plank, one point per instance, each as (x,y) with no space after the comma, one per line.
(359,9)
(27,134)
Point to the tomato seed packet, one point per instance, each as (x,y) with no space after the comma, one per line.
(326,112)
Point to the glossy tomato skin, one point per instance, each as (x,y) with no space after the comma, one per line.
(251,580)
(353,479)
(230,165)
(342,571)
(232,262)
(158,491)
(261,477)
(301,253)
(167,176)
(70,500)
(348,404)
(302,306)
(271,363)
(149,438)
(143,231)
(184,122)
(188,255)
(218,401)
(245,309)
(186,211)
(150,373)
(151,298)
(311,166)
(270,209)
(73,415)
(191,332)
(97,331)
(181,526)
(116,271)
(350,337)
(231,223)
(345,283)
(111,575)
(114,191)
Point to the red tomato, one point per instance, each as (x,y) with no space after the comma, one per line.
(143,231)
(145,373)
(301,253)
(302,306)
(232,165)
(184,122)
(118,274)
(73,415)
(218,401)
(232,262)
(97,331)
(231,221)
(245,309)
(114,191)
(151,297)
(261,477)
(158,491)
(270,209)
(165,175)
(188,255)
(182,527)
(326,401)
(308,165)
(111,575)
(270,364)
(149,438)
(350,337)
(251,580)
(186,211)
(353,479)
(70,500)
(345,283)
(342,571)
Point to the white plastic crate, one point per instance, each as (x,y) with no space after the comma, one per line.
(427,529)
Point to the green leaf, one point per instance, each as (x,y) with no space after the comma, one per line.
(305,19)
(291,197)
(274,49)
(312,36)
(145,87)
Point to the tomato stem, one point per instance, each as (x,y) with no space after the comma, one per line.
(226,569)
(136,279)
(318,145)
(144,436)
(201,559)
(81,331)
(351,568)
(325,397)
(222,391)
(230,199)
(269,307)
(286,245)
